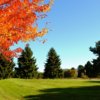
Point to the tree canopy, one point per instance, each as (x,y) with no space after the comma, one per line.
(18,22)
(96,49)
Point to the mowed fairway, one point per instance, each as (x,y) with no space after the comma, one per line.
(46,89)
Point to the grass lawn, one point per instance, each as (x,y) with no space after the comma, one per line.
(46,89)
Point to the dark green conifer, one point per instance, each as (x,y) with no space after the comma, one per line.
(96,62)
(26,64)
(6,67)
(52,65)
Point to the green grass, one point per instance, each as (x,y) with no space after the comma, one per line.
(57,89)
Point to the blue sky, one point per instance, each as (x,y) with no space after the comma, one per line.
(74,27)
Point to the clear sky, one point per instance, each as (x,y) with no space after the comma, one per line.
(74,27)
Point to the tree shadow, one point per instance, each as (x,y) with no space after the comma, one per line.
(76,93)
(95,81)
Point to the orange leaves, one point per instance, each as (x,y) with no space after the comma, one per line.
(17,22)
(18,50)
(43,32)
(43,8)
(4,1)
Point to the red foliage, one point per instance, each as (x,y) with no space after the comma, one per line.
(17,23)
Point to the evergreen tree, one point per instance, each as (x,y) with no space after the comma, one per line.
(6,67)
(96,62)
(81,71)
(96,67)
(89,69)
(52,65)
(26,64)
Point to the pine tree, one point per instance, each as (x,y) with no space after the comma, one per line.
(26,64)
(96,62)
(6,67)
(52,65)
(89,69)
(81,71)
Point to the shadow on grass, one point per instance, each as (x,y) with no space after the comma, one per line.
(95,81)
(77,93)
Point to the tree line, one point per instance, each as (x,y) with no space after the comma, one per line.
(28,69)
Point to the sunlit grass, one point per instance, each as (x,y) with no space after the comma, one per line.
(47,89)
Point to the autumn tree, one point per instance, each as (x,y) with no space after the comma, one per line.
(52,65)
(18,22)
(26,64)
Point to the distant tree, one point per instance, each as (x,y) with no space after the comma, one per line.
(40,75)
(6,67)
(67,73)
(73,72)
(70,73)
(81,71)
(96,62)
(89,69)
(26,64)
(52,65)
